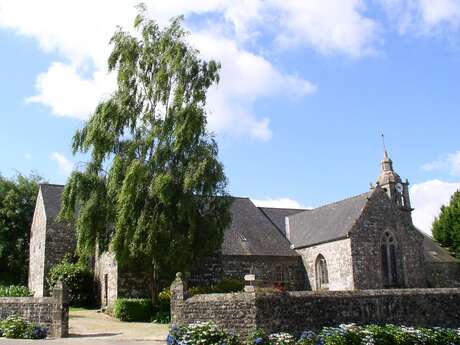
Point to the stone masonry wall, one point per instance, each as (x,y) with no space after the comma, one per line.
(339,263)
(106,277)
(60,241)
(298,311)
(266,268)
(443,274)
(234,312)
(52,312)
(37,249)
(381,214)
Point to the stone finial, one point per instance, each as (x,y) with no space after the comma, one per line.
(60,292)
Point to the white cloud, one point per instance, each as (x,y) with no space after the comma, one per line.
(450,163)
(64,165)
(79,32)
(68,94)
(424,16)
(278,203)
(245,77)
(427,198)
(329,26)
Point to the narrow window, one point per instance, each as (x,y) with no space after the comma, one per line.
(106,289)
(279,275)
(389,260)
(322,278)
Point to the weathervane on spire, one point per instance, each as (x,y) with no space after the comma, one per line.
(383,142)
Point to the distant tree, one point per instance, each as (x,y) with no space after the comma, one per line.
(17,204)
(446,227)
(154,174)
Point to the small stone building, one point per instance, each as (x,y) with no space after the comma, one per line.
(363,242)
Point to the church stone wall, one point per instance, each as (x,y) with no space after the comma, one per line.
(37,249)
(379,215)
(106,276)
(266,268)
(339,263)
(60,241)
(443,274)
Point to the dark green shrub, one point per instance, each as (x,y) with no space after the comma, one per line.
(78,279)
(134,309)
(229,285)
(163,313)
(14,291)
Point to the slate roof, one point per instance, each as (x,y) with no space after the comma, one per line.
(278,215)
(251,231)
(326,223)
(434,252)
(51,194)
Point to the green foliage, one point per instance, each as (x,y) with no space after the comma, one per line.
(16,327)
(17,204)
(163,314)
(14,291)
(133,309)
(446,227)
(153,170)
(201,333)
(226,286)
(78,279)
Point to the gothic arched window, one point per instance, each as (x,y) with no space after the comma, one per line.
(322,278)
(389,248)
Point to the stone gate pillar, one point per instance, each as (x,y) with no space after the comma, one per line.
(60,326)
(178,296)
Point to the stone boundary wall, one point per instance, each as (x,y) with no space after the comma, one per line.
(52,312)
(298,311)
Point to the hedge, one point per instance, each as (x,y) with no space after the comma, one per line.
(134,309)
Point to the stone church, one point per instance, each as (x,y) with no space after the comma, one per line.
(364,242)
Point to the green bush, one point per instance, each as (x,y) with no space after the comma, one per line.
(163,313)
(14,291)
(16,327)
(134,309)
(78,279)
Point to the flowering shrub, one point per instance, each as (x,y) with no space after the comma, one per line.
(204,333)
(17,328)
(350,334)
(281,339)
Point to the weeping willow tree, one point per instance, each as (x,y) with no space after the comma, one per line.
(153,190)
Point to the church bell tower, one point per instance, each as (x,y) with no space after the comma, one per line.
(390,181)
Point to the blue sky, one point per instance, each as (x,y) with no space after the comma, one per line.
(307,87)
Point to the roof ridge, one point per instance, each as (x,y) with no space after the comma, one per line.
(339,201)
(52,184)
(285,208)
